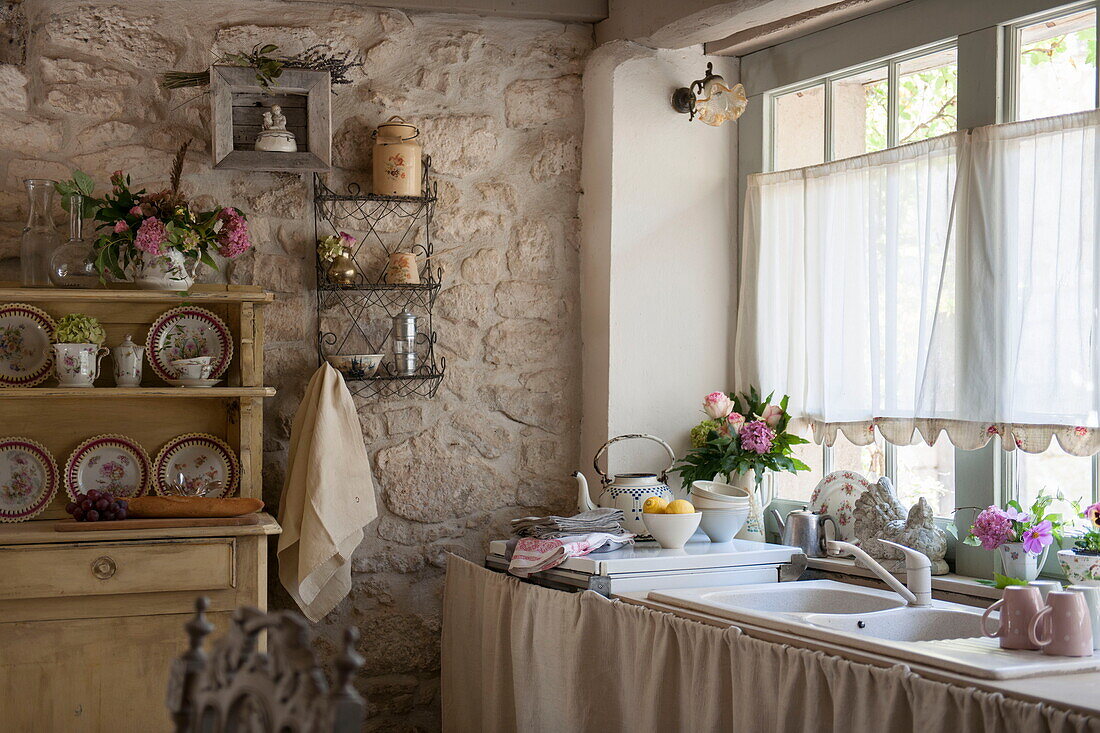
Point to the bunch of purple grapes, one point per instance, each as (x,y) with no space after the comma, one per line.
(96,505)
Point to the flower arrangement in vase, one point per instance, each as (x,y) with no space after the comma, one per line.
(1021,537)
(742,433)
(78,350)
(158,238)
(1081,564)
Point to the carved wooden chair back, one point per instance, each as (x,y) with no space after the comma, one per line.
(239,688)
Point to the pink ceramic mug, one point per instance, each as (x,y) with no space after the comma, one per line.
(1066,617)
(1019,605)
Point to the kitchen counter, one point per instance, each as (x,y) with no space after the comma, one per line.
(1076,692)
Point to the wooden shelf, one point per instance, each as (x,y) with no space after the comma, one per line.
(41,531)
(18,393)
(122,294)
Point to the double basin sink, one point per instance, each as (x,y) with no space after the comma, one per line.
(943,635)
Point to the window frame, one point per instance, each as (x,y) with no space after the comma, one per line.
(986,40)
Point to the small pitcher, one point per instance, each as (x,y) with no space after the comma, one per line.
(77,365)
(128,358)
(1019,605)
(1067,624)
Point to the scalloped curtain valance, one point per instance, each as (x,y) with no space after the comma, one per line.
(948,286)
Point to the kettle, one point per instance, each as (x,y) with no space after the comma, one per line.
(805,530)
(627,491)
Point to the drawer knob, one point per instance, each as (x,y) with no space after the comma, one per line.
(103,567)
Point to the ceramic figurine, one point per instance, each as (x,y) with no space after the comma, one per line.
(880,516)
(275,137)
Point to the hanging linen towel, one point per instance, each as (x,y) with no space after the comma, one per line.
(328,496)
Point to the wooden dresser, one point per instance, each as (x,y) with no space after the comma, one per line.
(90,620)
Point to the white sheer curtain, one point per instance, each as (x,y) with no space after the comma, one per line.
(860,300)
(846,298)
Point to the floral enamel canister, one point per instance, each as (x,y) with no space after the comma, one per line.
(398,163)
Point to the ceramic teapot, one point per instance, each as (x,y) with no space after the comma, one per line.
(626,491)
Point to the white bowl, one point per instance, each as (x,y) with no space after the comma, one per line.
(702,503)
(355,366)
(722,525)
(672,531)
(719,491)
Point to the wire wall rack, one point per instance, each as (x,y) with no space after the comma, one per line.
(356,317)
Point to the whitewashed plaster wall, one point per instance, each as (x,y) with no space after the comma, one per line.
(658,252)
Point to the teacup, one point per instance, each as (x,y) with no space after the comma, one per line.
(1019,605)
(197,368)
(1067,623)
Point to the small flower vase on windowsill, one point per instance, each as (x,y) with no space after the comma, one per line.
(1019,563)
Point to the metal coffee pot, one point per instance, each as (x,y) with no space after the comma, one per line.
(805,530)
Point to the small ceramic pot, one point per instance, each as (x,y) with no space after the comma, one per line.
(77,365)
(401,269)
(1019,563)
(1063,628)
(1080,569)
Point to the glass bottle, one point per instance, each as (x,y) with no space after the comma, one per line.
(72,265)
(40,238)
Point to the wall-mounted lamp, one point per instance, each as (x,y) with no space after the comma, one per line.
(710,99)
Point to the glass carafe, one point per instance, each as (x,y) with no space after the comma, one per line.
(40,238)
(72,265)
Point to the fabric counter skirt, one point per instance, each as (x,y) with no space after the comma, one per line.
(517,657)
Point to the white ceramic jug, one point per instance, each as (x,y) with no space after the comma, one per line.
(77,365)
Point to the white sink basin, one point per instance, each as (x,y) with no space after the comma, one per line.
(944,635)
(906,624)
(803,598)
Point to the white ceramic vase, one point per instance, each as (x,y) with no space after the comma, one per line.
(1019,563)
(77,365)
(166,271)
(754,525)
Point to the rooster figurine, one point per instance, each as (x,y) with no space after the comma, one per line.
(880,516)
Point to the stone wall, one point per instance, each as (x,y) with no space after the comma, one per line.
(499,104)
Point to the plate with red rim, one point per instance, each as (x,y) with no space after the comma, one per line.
(26,356)
(836,494)
(184,333)
(198,457)
(113,463)
(28,478)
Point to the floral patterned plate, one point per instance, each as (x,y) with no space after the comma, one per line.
(26,358)
(836,494)
(112,463)
(28,479)
(184,333)
(197,458)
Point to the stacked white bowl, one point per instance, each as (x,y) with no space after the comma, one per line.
(725,508)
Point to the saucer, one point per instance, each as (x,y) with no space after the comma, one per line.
(192,382)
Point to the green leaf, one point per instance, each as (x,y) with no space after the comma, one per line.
(84,183)
(269,48)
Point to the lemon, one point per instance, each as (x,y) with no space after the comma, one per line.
(680,506)
(654,505)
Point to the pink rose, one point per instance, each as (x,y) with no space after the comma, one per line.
(136,211)
(121,226)
(717,405)
(772,415)
(736,421)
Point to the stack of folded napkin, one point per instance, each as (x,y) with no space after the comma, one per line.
(607,521)
(546,542)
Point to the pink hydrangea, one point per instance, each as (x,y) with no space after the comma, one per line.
(121,226)
(151,236)
(757,437)
(992,527)
(233,238)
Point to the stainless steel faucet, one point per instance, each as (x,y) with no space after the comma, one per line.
(918,571)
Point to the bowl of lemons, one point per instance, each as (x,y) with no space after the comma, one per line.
(672,523)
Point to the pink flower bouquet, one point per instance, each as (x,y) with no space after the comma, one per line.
(741,433)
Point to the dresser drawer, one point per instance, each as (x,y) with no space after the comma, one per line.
(105,568)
